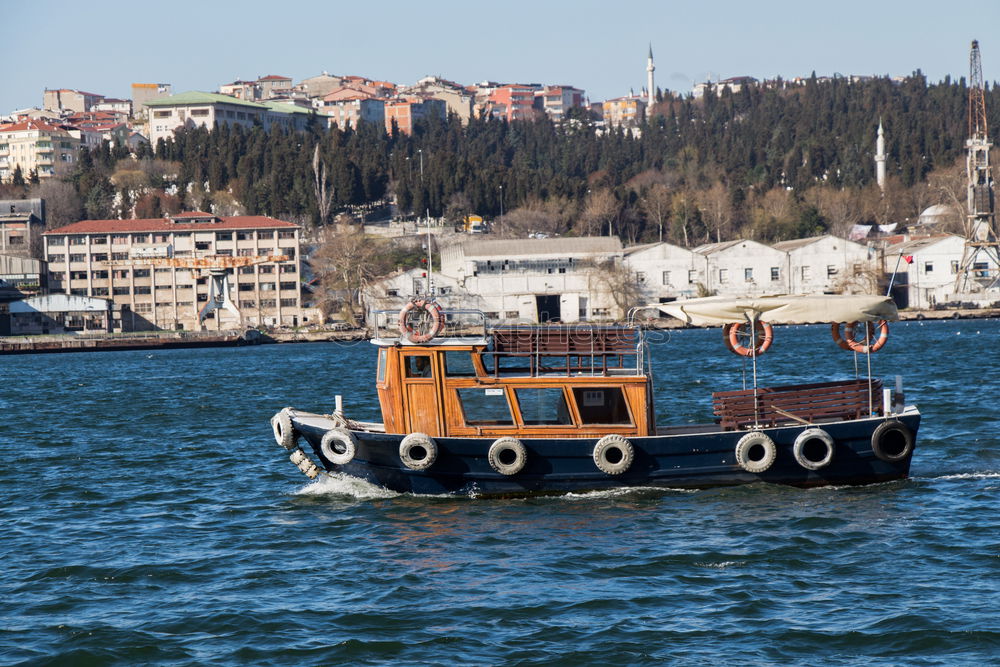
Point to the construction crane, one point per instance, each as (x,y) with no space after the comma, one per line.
(217,268)
(982,242)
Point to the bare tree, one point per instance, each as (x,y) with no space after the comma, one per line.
(616,281)
(717,207)
(535,216)
(842,209)
(324,199)
(655,203)
(62,204)
(346,261)
(601,208)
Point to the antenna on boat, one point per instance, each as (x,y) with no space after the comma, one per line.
(430,257)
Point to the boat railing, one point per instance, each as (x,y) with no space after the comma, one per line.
(574,349)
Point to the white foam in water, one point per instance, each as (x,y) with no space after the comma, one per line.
(723,565)
(970,475)
(621,491)
(343,485)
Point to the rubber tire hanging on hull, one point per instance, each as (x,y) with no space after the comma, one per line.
(613,454)
(801,454)
(745,449)
(892,451)
(500,450)
(345,439)
(414,443)
(284,433)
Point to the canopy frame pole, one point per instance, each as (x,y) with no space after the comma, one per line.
(869,330)
(753,356)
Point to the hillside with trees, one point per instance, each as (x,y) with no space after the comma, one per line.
(769,162)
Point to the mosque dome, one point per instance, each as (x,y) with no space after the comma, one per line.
(938,214)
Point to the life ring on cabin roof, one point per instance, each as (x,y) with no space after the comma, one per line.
(433,311)
(848,342)
(763,334)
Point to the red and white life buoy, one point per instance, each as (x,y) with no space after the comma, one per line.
(763,335)
(433,311)
(848,342)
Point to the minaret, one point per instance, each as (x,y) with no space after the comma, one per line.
(650,90)
(880,157)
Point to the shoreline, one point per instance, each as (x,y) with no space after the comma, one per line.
(160,340)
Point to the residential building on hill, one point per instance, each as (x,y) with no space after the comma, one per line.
(404,112)
(145,92)
(317,86)
(190,271)
(36,145)
(557,100)
(192,109)
(828,265)
(744,268)
(64,99)
(626,111)
(513,101)
(22,222)
(352,111)
(458,99)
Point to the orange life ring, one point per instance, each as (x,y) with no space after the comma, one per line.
(725,336)
(764,335)
(870,327)
(432,309)
(837,338)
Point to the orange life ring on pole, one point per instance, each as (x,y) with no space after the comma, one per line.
(433,311)
(852,345)
(725,336)
(764,334)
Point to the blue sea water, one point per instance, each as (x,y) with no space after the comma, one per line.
(148,518)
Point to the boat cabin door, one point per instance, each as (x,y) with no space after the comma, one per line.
(421,404)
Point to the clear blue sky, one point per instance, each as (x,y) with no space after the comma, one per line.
(598,46)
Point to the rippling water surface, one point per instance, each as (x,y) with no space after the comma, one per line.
(149,518)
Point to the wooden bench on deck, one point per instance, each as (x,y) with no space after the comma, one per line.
(797,404)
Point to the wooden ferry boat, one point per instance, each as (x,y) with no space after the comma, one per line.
(519,410)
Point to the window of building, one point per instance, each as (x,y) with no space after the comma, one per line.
(485,406)
(99,240)
(119,239)
(143,308)
(120,273)
(267,303)
(140,238)
(248,303)
(244,236)
(831,270)
(202,245)
(601,405)
(244,270)
(266,268)
(288,303)
(120,290)
(723,275)
(199,112)
(141,273)
(246,287)
(57,240)
(806,272)
(666,278)
(954,266)
(267,287)
(223,236)
(77,275)
(245,252)
(286,235)
(161,238)
(748,275)
(543,406)
(78,257)
(265,251)
(100,291)
(288,268)
(54,259)
(286,285)
(99,257)
(78,240)
(640,277)
(100,275)
(58,276)
(119,255)
(161,114)
(224,253)
(775,273)
(142,289)
(928,267)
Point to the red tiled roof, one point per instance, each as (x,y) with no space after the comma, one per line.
(167,225)
(274,77)
(24,125)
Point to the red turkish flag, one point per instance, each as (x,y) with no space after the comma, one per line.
(908,259)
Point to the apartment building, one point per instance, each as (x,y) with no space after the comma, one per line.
(828,265)
(557,100)
(39,146)
(146,92)
(192,109)
(626,111)
(405,112)
(65,99)
(190,271)
(513,101)
(457,98)
(353,111)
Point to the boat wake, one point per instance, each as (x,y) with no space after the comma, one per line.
(342,485)
(968,475)
(622,491)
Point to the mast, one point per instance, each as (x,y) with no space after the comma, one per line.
(982,242)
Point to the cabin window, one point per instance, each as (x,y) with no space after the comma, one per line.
(380,376)
(458,364)
(601,405)
(418,366)
(543,406)
(485,407)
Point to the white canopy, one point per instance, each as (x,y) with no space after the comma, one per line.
(787,309)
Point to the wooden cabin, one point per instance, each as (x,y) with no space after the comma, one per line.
(524,381)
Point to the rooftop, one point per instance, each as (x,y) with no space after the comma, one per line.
(563,245)
(194,97)
(207,221)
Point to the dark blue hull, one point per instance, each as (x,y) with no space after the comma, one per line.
(564,465)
